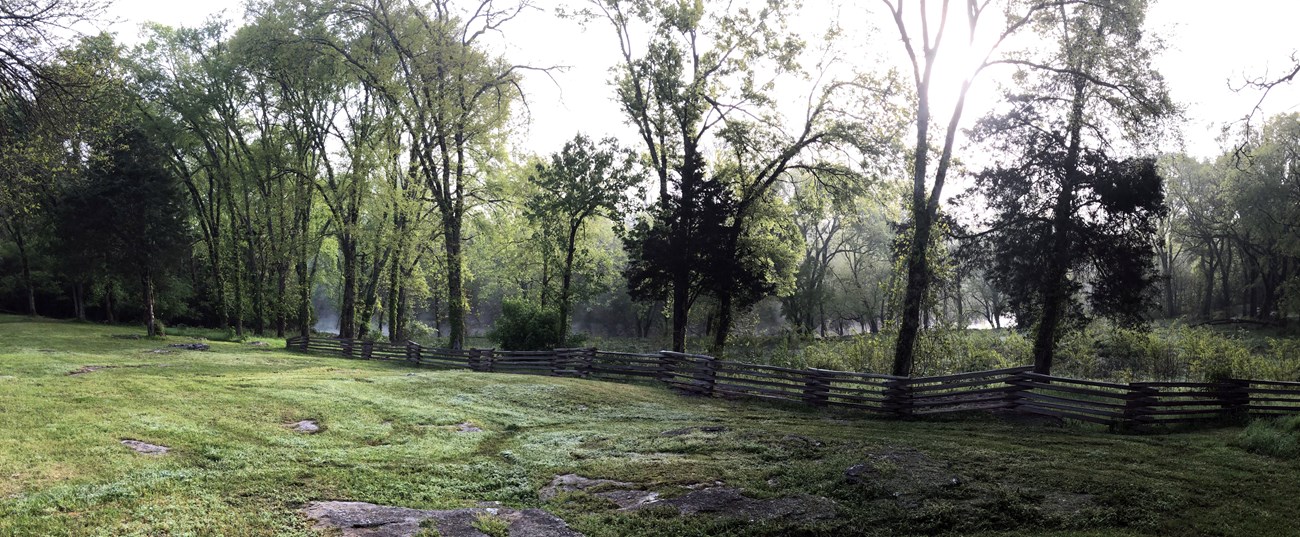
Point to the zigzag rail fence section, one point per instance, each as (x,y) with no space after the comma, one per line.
(1015,389)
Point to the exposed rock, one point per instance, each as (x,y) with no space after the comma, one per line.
(730,503)
(689,430)
(359,519)
(258,344)
(190,346)
(306,427)
(468,427)
(145,447)
(625,495)
(574,482)
(628,499)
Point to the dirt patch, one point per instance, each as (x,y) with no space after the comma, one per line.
(145,447)
(359,519)
(468,427)
(731,503)
(89,369)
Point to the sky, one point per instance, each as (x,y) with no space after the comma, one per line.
(1211,45)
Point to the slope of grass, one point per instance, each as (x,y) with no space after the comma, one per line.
(389,437)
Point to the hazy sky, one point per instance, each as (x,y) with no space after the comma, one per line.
(1210,43)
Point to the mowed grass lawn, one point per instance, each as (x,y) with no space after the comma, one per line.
(390,437)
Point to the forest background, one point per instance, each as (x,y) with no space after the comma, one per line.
(1000,184)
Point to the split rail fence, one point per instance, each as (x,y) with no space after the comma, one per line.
(1015,389)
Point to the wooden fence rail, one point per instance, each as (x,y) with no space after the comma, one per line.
(1015,389)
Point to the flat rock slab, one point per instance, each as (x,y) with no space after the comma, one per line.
(258,344)
(625,495)
(306,427)
(468,427)
(145,447)
(360,519)
(730,503)
(190,346)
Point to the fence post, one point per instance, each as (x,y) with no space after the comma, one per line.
(1235,394)
(898,397)
(303,343)
(665,373)
(564,363)
(817,388)
(710,376)
(1137,408)
(490,359)
(347,347)
(1016,384)
(413,352)
(588,359)
(367,348)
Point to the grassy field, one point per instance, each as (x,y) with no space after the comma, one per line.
(389,437)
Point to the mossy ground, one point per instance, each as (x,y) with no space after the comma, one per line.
(389,437)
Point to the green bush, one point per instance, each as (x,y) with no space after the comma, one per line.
(1278,437)
(526,326)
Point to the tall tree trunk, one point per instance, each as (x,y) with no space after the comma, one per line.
(400,320)
(1055,280)
(456,306)
(108,303)
(918,280)
(1207,301)
(348,307)
(724,322)
(259,292)
(151,322)
(304,298)
(79,300)
(281,297)
(918,271)
(394,292)
(566,280)
(24,261)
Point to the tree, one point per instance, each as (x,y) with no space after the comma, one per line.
(449,95)
(1066,200)
(582,181)
(700,78)
(31,34)
(923,54)
(132,211)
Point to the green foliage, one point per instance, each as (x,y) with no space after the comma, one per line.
(491,525)
(525,325)
(1277,437)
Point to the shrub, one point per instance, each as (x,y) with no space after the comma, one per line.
(526,326)
(1278,437)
